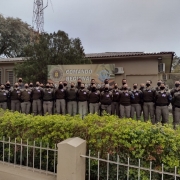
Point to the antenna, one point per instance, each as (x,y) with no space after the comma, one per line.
(38,16)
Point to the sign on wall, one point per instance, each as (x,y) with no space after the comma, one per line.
(86,72)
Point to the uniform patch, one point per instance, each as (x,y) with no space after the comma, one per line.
(107,95)
(163,95)
(149,91)
(4,94)
(84,92)
(136,94)
(18,92)
(126,94)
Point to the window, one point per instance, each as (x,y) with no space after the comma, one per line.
(0,78)
(10,77)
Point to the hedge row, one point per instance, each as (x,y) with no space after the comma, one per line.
(104,134)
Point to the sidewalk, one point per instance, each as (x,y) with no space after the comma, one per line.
(9,172)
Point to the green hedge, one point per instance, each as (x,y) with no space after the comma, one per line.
(104,134)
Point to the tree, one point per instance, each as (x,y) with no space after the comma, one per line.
(50,49)
(175,69)
(14,36)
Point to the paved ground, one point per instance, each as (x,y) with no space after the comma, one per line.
(9,172)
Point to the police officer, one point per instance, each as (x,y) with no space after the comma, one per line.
(162,101)
(15,97)
(72,100)
(60,97)
(31,85)
(124,81)
(82,95)
(8,88)
(65,84)
(158,85)
(142,86)
(48,97)
(173,91)
(25,96)
(106,99)
(91,85)
(115,100)
(21,84)
(3,97)
(148,95)
(105,85)
(37,93)
(125,97)
(94,97)
(176,104)
(136,102)
(78,85)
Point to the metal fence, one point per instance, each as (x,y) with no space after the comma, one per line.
(127,166)
(29,155)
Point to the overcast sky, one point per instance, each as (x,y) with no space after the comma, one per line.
(109,25)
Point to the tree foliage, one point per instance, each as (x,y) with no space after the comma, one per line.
(50,49)
(14,36)
(175,69)
(104,134)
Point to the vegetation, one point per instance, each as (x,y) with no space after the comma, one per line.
(14,36)
(175,69)
(50,49)
(105,134)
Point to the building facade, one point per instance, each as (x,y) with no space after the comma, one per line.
(136,67)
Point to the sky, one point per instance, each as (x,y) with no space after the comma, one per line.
(108,25)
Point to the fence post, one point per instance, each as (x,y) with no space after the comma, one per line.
(70,165)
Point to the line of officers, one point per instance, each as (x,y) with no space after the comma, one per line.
(75,98)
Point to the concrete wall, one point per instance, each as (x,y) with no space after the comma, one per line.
(5,68)
(136,70)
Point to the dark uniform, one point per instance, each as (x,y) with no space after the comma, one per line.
(176,105)
(148,95)
(36,95)
(3,98)
(48,98)
(136,104)
(162,101)
(25,96)
(15,97)
(94,97)
(106,100)
(72,101)
(8,89)
(174,90)
(82,96)
(115,102)
(60,97)
(125,103)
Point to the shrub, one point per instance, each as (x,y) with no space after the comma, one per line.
(104,134)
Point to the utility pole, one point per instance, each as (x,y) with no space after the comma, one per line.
(38,16)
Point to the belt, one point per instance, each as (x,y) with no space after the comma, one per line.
(82,101)
(177,106)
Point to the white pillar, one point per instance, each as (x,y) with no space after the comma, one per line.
(70,165)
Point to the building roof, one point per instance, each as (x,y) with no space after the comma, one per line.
(11,59)
(124,54)
(103,55)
